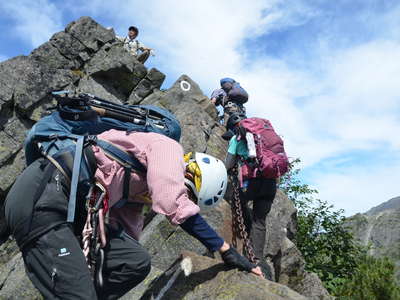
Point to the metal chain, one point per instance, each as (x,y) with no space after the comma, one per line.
(238,226)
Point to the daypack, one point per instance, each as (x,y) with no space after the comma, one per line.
(234,91)
(63,136)
(271,160)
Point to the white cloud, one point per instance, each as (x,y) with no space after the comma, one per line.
(34,22)
(3,57)
(357,189)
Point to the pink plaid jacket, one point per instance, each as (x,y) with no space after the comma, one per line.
(164,180)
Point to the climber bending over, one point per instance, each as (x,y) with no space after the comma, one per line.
(173,185)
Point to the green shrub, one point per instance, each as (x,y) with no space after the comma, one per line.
(372,279)
(331,251)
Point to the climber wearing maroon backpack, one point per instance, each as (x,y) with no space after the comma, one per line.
(261,158)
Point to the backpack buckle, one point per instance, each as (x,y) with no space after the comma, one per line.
(91,140)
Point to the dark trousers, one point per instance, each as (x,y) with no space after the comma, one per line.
(56,265)
(262,192)
(53,258)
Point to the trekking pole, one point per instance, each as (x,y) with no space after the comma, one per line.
(136,115)
(108,109)
(99,102)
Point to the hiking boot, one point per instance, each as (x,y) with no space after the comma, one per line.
(266,270)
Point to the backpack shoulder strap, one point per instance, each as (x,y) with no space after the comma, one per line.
(124,158)
(128,162)
(74,179)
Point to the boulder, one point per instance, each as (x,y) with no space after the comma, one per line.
(281,252)
(116,68)
(199,277)
(153,80)
(14,284)
(197,115)
(90,33)
(165,242)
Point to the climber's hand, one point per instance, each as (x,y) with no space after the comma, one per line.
(233,259)
(257,271)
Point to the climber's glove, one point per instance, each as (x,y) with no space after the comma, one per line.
(233,259)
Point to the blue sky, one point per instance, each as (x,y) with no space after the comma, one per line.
(324,72)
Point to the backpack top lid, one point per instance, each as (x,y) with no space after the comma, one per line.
(227,84)
(263,130)
(227,79)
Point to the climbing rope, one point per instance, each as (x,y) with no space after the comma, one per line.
(238,226)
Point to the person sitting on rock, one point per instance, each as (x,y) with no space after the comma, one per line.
(173,185)
(136,48)
(260,190)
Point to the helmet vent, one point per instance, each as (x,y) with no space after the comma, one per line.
(208,202)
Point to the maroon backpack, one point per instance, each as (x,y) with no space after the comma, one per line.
(271,160)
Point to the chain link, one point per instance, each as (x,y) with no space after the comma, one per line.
(238,226)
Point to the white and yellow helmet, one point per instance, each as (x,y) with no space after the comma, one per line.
(207,178)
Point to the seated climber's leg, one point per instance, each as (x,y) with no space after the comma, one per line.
(126,264)
(57,267)
(142,57)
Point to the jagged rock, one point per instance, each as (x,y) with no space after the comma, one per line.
(99,87)
(70,48)
(9,171)
(199,277)
(146,86)
(280,249)
(195,112)
(291,272)
(140,290)
(90,33)
(49,56)
(114,66)
(165,242)
(31,82)
(182,91)
(281,223)
(14,284)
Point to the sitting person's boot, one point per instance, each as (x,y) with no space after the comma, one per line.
(143,56)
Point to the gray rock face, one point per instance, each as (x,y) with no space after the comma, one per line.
(379,228)
(199,277)
(86,58)
(152,81)
(391,204)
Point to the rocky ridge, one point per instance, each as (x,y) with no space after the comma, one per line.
(86,57)
(379,228)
